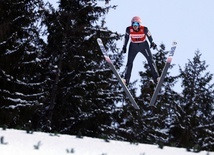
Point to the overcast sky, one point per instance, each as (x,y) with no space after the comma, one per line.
(189,22)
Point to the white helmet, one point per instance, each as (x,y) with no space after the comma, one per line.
(136,19)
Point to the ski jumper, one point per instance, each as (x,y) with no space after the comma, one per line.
(139,44)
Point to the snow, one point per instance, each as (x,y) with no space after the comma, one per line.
(19,142)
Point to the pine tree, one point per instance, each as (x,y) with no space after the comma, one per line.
(82,92)
(21,61)
(193,121)
(156,121)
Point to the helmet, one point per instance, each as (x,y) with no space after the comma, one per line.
(136,19)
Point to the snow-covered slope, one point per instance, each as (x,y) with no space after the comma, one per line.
(18,142)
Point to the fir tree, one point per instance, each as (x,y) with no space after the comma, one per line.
(82,92)
(156,121)
(21,60)
(193,121)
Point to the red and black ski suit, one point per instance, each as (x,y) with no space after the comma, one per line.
(139,44)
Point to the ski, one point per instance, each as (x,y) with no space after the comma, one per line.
(102,48)
(164,72)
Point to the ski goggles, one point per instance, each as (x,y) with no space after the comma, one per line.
(135,24)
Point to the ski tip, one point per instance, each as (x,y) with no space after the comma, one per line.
(169,59)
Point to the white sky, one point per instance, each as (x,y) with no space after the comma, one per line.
(189,22)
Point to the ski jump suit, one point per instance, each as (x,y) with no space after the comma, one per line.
(139,44)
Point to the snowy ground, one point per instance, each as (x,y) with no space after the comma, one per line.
(18,142)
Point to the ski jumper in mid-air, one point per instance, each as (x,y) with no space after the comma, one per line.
(138,43)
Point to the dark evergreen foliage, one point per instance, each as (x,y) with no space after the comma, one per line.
(157,118)
(21,61)
(82,88)
(193,122)
(63,84)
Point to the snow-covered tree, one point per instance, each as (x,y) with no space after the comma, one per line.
(82,88)
(156,121)
(21,60)
(194,121)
